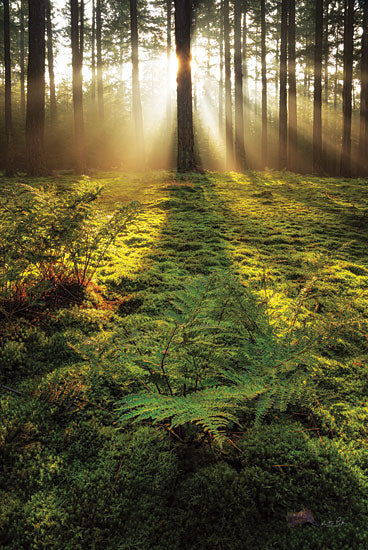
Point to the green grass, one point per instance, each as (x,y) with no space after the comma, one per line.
(73,478)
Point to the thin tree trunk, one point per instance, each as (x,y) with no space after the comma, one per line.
(93,54)
(292,107)
(137,105)
(317,103)
(77,65)
(183,21)
(363,134)
(228,102)
(239,115)
(100,98)
(264,86)
(35,120)
(22,63)
(50,62)
(8,94)
(283,90)
(168,55)
(245,74)
(221,80)
(326,51)
(345,159)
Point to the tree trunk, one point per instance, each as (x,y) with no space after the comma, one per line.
(101,110)
(8,94)
(35,120)
(168,55)
(317,103)
(245,74)
(221,79)
(239,116)
(283,90)
(345,159)
(50,62)
(228,102)
(137,105)
(183,20)
(264,86)
(363,135)
(93,54)
(22,63)
(326,51)
(77,65)
(292,107)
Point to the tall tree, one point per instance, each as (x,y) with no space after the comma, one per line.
(22,62)
(77,65)
(183,20)
(326,52)
(363,126)
(345,159)
(292,106)
(137,104)
(228,102)
(101,110)
(221,79)
(239,116)
(8,92)
(50,61)
(35,119)
(264,145)
(317,103)
(168,56)
(93,53)
(245,70)
(283,87)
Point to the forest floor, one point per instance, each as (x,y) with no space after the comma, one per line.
(72,477)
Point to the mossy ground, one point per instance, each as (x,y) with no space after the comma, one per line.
(71,479)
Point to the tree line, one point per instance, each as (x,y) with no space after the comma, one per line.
(259,84)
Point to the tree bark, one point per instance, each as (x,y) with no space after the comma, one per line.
(363,133)
(77,65)
(292,107)
(168,56)
(183,20)
(345,159)
(100,98)
(50,62)
(22,63)
(221,79)
(228,102)
(283,90)
(240,159)
(35,119)
(137,105)
(326,52)
(264,145)
(93,54)
(317,99)
(8,94)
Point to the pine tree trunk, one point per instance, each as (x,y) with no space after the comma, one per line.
(168,56)
(239,116)
(93,54)
(50,62)
(100,98)
(22,63)
(221,79)
(317,103)
(9,154)
(35,119)
(326,51)
(245,74)
(363,134)
(292,107)
(77,65)
(345,159)
(228,102)
(283,90)
(137,105)
(264,86)
(183,20)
